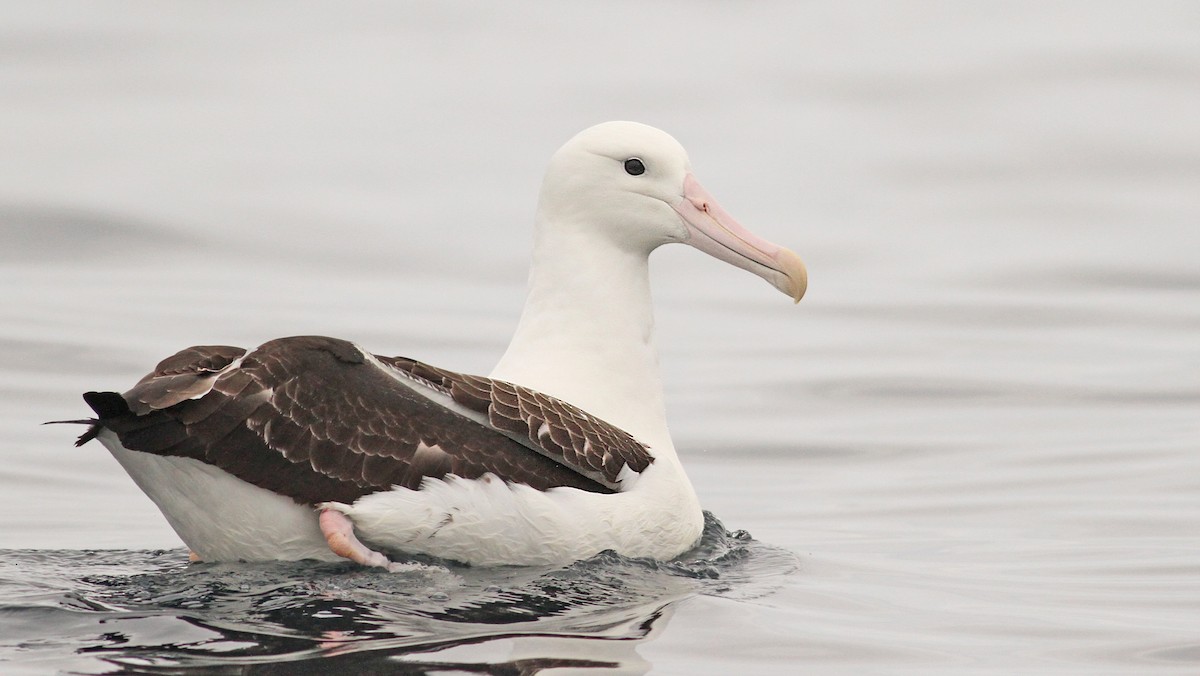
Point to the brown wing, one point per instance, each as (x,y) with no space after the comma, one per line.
(317,420)
(554,427)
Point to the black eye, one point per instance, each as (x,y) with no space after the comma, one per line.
(634,167)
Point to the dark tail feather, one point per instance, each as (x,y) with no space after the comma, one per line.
(86,436)
(105,404)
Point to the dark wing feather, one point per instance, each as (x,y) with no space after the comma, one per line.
(315,419)
(186,374)
(572,436)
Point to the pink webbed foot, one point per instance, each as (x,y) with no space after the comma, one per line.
(339,533)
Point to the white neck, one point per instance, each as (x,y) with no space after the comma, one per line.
(586,334)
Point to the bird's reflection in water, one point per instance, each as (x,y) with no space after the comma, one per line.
(299,618)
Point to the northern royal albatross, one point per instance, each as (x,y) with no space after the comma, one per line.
(312,447)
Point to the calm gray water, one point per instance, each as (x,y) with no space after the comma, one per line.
(975,445)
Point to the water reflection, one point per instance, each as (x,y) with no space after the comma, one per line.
(388,646)
(153,613)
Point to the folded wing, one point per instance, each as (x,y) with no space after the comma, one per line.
(318,419)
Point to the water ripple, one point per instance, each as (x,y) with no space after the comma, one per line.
(153,612)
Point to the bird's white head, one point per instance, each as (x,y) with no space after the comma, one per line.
(634,184)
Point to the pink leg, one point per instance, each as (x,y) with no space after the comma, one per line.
(339,533)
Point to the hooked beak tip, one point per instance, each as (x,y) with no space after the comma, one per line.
(795,271)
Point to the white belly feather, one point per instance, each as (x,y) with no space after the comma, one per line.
(481,522)
(489,522)
(217,515)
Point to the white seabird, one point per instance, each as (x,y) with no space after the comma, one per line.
(312,447)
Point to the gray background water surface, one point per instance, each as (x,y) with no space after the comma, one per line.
(979,431)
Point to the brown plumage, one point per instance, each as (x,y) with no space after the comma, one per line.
(315,419)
